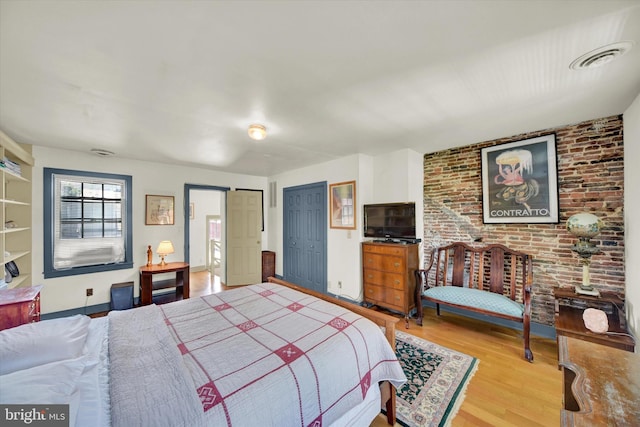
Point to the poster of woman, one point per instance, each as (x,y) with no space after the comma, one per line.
(519,182)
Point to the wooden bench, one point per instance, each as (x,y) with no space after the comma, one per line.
(492,280)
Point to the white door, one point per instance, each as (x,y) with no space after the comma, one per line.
(244,237)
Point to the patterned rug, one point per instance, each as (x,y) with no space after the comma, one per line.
(437,380)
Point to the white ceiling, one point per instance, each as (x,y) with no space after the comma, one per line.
(180,81)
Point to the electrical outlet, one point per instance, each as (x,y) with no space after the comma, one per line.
(339,284)
(89,292)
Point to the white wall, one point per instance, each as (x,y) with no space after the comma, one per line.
(631,121)
(148,178)
(386,178)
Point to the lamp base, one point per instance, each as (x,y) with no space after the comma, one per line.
(582,291)
(162,263)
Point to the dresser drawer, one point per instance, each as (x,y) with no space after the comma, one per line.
(382,249)
(373,293)
(394,299)
(391,298)
(383,278)
(393,264)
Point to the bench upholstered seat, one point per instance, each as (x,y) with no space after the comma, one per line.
(475,298)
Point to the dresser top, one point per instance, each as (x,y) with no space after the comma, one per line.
(12,296)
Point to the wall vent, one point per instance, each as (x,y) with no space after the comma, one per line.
(273,194)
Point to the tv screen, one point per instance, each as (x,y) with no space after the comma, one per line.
(390,220)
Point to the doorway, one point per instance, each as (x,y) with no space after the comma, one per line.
(204,214)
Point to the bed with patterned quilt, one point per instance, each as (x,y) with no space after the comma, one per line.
(265,354)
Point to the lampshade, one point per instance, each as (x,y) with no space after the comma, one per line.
(257,132)
(165,247)
(584,225)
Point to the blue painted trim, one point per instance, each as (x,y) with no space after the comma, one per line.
(48,219)
(87,310)
(187,201)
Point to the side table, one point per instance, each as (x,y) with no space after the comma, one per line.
(147,286)
(568,318)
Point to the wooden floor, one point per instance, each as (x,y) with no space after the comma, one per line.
(506,390)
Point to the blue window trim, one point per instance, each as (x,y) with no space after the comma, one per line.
(48,203)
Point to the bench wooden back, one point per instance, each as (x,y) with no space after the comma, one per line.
(493,268)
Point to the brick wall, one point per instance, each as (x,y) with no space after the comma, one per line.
(590,179)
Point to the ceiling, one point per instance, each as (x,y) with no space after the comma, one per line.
(180,81)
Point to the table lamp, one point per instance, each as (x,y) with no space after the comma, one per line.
(164,248)
(585,226)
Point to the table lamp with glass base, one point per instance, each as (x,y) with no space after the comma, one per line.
(585,226)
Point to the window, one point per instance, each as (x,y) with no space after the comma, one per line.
(87,222)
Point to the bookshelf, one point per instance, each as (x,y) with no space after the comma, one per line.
(15,209)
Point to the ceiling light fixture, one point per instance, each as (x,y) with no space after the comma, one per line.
(601,56)
(257,132)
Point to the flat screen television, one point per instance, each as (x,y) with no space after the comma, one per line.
(390,221)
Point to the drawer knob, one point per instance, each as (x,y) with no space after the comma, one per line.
(370,276)
(397,298)
(397,282)
(396,264)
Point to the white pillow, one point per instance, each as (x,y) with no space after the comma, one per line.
(53,383)
(42,342)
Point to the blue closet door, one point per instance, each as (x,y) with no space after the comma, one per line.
(305,236)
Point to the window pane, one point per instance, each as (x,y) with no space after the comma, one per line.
(112,191)
(70,189)
(112,210)
(92,209)
(70,210)
(92,229)
(112,229)
(92,190)
(70,230)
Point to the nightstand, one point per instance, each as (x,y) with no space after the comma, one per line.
(569,307)
(19,306)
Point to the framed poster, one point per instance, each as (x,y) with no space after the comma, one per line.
(519,182)
(342,202)
(158,210)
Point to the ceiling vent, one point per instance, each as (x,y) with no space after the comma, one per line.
(102,153)
(601,56)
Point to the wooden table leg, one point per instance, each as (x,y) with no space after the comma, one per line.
(145,289)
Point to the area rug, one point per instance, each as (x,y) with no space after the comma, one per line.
(437,380)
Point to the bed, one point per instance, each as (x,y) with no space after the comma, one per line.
(264,354)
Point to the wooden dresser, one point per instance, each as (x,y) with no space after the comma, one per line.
(388,275)
(19,306)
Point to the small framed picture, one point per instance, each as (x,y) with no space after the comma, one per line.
(519,182)
(159,210)
(342,202)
